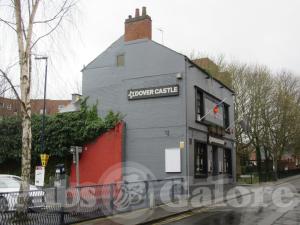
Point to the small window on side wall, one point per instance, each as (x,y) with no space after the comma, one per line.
(120,60)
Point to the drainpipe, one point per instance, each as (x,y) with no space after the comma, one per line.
(186,133)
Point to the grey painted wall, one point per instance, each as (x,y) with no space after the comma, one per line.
(152,124)
(197,131)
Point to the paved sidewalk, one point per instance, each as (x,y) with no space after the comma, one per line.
(134,217)
(291,217)
(145,216)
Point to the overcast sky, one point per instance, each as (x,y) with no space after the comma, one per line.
(254,31)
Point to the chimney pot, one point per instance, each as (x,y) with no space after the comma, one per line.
(144,12)
(139,27)
(137,12)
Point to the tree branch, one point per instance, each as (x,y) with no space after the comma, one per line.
(30,26)
(8,23)
(23,30)
(14,89)
(5,90)
(48,33)
(19,28)
(29,9)
(57,15)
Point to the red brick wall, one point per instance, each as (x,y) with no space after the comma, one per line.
(10,107)
(51,105)
(139,29)
(99,156)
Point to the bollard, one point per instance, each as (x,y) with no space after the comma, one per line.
(173,191)
(147,200)
(111,198)
(61,216)
(182,186)
(151,195)
(55,194)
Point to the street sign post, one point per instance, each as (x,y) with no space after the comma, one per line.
(44,159)
(39,176)
(76,150)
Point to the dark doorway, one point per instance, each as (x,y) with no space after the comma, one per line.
(227,161)
(215,161)
(200,160)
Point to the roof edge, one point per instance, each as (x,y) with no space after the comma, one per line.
(212,77)
(198,67)
(86,67)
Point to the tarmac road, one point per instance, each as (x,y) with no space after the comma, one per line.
(268,213)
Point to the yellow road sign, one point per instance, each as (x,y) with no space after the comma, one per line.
(44,159)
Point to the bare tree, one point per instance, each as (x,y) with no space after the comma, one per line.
(281,127)
(30,22)
(3,86)
(267,110)
(269,107)
(253,87)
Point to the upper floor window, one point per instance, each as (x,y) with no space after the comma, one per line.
(226,116)
(60,107)
(9,107)
(199,105)
(42,111)
(120,60)
(211,109)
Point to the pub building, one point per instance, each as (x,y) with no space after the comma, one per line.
(178,117)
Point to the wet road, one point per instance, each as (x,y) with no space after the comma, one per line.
(273,209)
(214,217)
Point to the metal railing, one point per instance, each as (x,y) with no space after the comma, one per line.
(253,177)
(57,206)
(288,173)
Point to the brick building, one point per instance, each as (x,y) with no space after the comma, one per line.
(10,107)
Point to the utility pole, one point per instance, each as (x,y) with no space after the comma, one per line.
(44,107)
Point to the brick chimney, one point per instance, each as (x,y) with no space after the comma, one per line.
(138,27)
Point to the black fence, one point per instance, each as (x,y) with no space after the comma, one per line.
(255,177)
(288,173)
(56,206)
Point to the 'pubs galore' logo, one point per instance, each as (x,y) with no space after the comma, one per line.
(153,92)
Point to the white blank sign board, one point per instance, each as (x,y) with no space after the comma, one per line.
(39,176)
(172,160)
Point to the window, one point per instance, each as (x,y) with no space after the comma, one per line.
(42,111)
(226,116)
(200,160)
(8,107)
(60,107)
(9,183)
(120,60)
(2,184)
(199,105)
(227,161)
(1,105)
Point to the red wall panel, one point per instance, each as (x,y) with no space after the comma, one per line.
(99,156)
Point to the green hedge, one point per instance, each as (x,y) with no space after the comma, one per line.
(61,131)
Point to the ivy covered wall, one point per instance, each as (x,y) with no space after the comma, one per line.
(61,131)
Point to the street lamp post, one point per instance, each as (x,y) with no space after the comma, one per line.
(44,107)
(76,150)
